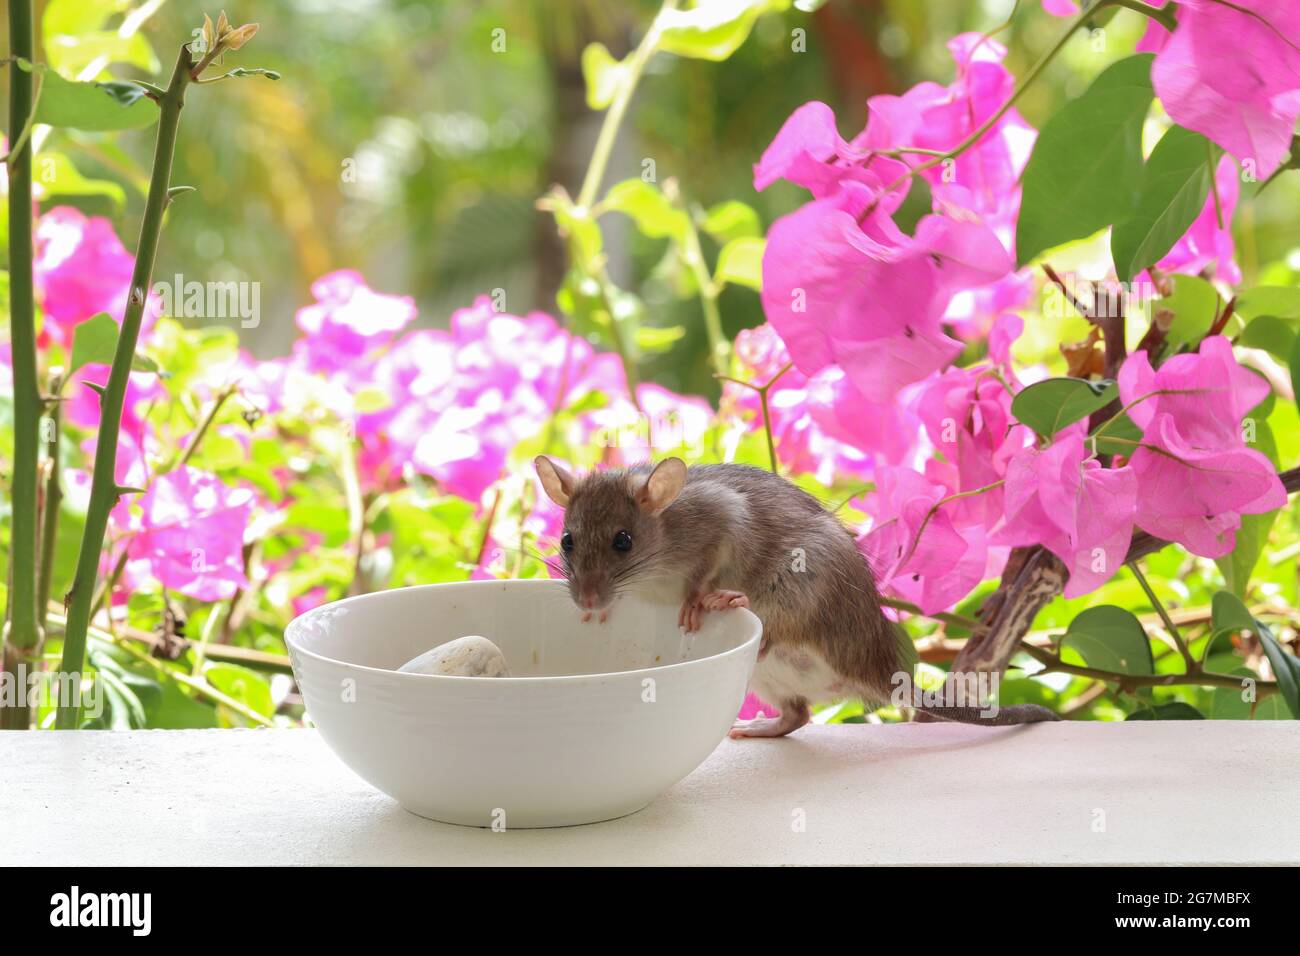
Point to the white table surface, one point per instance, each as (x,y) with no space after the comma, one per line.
(1183,792)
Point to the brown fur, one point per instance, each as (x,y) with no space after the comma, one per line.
(740,528)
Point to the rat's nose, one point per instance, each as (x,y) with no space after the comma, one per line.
(588,600)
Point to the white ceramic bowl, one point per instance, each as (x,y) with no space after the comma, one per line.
(595,722)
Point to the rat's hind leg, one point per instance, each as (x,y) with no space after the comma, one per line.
(794,714)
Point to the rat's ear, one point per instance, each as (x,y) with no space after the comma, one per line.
(663,486)
(556,479)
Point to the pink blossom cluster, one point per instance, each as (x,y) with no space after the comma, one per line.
(865,322)
(843,285)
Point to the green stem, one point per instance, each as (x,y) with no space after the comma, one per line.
(215,614)
(103,490)
(1053,664)
(22,639)
(53,498)
(205,423)
(614,116)
(762,398)
(1188,659)
(1163,16)
(956,620)
(1214,184)
(719,352)
(356,513)
(16,144)
(992,121)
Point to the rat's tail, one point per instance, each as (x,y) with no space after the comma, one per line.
(987,717)
(1003,717)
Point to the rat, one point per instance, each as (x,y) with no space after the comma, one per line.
(729,535)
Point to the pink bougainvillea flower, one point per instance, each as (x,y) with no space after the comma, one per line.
(863,295)
(348,320)
(1071,505)
(842,284)
(80,269)
(135,437)
(1205,245)
(309,599)
(821,425)
(989,312)
(915,549)
(660,422)
(497,380)
(1195,473)
(187,533)
(967,417)
(1231,71)
(984,179)
(809,152)
(753,705)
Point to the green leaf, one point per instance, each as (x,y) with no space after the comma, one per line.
(1228,613)
(1052,404)
(1194,304)
(370,399)
(243,684)
(93,342)
(93,106)
(1086,167)
(1286,668)
(1175,182)
(741,263)
(1175,710)
(1295,369)
(1282,301)
(1111,639)
(1238,564)
(241,71)
(73,17)
(603,75)
(57,176)
(1227,703)
(143,363)
(648,207)
(1268,332)
(712,30)
(655,338)
(71,53)
(178,710)
(1121,437)
(732,220)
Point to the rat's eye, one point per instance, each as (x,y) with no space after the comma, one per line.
(566,542)
(622,541)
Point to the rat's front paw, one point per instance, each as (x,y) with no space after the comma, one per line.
(721,600)
(688,618)
(696,606)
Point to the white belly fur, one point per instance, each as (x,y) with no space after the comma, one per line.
(786,673)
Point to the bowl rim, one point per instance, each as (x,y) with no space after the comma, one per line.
(293,643)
